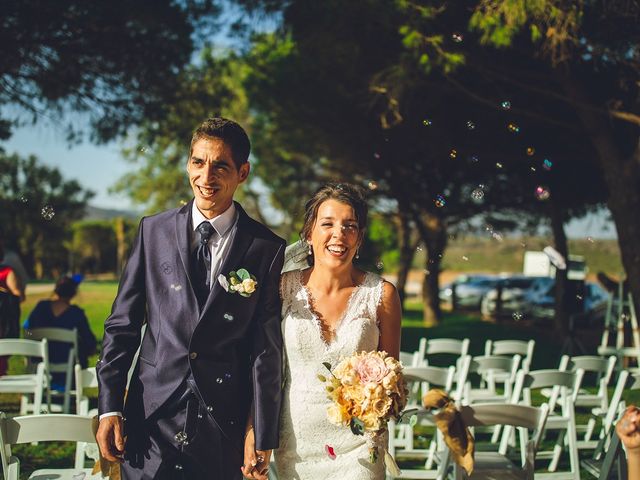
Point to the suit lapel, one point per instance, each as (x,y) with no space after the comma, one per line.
(241,242)
(183,239)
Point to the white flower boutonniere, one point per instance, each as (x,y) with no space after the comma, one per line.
(239,281)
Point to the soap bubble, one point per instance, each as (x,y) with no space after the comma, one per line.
(47,212)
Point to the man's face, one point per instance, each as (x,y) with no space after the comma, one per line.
(213,175)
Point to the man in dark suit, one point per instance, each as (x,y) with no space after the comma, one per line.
(204,278)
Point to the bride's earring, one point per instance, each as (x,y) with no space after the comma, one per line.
(357,253)
(310,252)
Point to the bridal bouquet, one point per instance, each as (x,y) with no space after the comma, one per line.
(367,390)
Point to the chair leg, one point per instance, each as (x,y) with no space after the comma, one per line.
(574,459)
(591,425)
(557,452)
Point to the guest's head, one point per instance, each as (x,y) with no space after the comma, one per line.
(66,288)
(335,220)
(218,163)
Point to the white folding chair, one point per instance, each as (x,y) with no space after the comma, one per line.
(510,348)
(562,383)
(43,428)
(402,435)
(602,368)
(30,383)
(495,369)
(85,378)
(494,465)
(66,336)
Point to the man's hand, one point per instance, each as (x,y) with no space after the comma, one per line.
(256,462)
(628,429)
(110,438)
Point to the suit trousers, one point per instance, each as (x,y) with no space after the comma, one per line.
(181,441)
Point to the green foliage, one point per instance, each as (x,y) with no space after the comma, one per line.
(37,208)
(115,62)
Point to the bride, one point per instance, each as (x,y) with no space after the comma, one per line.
(330,311)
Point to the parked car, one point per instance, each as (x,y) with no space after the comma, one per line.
(541,304)
(466,291)
(512,291)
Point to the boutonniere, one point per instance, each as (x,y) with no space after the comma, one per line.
(240,281)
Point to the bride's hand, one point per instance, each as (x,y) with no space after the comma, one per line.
(256,462)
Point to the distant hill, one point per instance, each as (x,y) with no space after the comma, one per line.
(97,213)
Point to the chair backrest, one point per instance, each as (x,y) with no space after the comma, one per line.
(27,348)
(408,359)
(43,428)
(85,378)
(61,335)
(495,363)
(510,347)
(443,345)
(524,416)
(440,377)
(559,380)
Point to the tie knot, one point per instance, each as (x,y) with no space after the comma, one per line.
(206,230)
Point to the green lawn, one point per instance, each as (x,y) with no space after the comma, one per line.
(96,299)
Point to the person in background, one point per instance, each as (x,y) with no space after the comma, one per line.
(60,313)
(11,294)
(10,258)
(628,429)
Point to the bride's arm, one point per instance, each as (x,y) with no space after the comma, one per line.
(389,319)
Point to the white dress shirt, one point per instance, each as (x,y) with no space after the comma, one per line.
(225,226)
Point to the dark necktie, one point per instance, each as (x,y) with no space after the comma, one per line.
(202,262)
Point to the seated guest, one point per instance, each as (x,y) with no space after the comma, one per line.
(59,313)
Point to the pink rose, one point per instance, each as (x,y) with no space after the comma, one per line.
(371,369)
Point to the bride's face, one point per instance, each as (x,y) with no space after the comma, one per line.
(335,236)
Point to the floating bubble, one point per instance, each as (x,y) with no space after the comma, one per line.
(531,151)
(517,316)
(453,153)
(590,239)
(533,169)
(440,201)
(24,199)
(330,452)
(471,125)
(373,185)
(579,297)
(513,128)
(144,149)
(506,105)
(426,272)
(418,248)
(542,193)
(380,265)
(474,158)
(523,244)
(439,255)
(465,258)
(227,376)
(499,165)
(219,380)
(427,122)
(457,37)
(376,155)
(47,212)
(547,164)
(184,202)
(497,236)
(228,317)
(413,420)
(477,195)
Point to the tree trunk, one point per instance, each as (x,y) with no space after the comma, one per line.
(622,175)
(121,248)
(433,234)
(561,317)
(407,252)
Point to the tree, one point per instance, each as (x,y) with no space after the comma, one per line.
(37,207)
(114,62)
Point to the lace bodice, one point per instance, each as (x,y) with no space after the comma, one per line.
(305,429)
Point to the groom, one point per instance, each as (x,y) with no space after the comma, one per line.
(209,370)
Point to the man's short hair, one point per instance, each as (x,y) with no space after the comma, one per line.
(229,132)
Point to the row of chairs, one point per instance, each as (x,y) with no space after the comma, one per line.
(562,388)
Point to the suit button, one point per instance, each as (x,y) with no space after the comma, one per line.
(193,355)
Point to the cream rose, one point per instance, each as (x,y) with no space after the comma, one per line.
(371,369)
(249,285)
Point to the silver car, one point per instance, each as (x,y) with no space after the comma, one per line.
(466,291)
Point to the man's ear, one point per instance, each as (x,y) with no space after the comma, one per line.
(243,171)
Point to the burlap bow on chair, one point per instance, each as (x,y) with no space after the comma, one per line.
(449,422)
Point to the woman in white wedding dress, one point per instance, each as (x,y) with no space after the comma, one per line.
(330,311)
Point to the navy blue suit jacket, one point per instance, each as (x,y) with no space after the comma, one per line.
(232,346)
